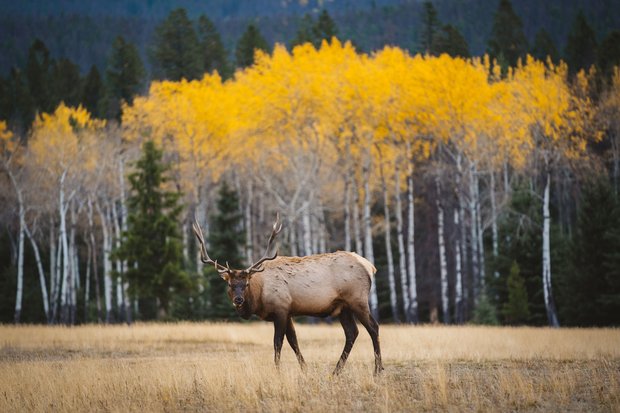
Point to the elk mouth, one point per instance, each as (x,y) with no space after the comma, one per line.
(243,311)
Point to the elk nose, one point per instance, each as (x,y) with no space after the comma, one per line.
(238,301)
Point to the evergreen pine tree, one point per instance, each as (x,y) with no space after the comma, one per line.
(520,241)
(20,109)
(38,74)
(430,23)
(5,102)
(324,29)
(450,41)
(226,240)
(588,289)
(544,47)
(124,76)
(247,45)
(213,52)
(609,54)
(65,83)
(507,43)
(313,32)
(610,299)
(92,91)
(515,310)
(177,52)
(485,313)
(152,243)
(304,31)
(580,50)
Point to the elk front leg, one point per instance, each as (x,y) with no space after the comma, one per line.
(291,337)
(278,337)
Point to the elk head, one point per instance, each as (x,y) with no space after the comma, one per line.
(238,280)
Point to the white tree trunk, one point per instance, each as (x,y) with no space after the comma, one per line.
(357,228)
(107,266)
(201,218)
(458,288)
(66,264)
(473,235)
(20,262)
(57,278)
(480,232)
(507,188)
(42,282)
(413,291)
(307,235)
(460,245)
(292,228)
(402,258)
(464,258)
(368,251)
(75,275)
(185,238)
(546,258)
(494,233)
(55,261)
(347,212)
(322,232)
(120,302)
(315,230)
(123,220)
(412,281)
(388,249)
(52,248)
(20,248)
(249,252)
(93,246)
(89,258)
(443,266)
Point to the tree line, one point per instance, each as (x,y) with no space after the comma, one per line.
(484,189)
(181,49)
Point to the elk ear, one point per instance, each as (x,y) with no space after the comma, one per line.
(225,276)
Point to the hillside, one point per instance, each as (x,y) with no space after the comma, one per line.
(369,24)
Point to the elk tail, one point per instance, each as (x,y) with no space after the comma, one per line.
(370,269)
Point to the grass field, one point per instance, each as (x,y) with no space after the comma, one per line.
(229,367)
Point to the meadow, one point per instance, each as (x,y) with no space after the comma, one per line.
(229,366)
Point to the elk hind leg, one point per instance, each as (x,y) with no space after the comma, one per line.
(350,332)
(371,325)
(279,324)
(291,337)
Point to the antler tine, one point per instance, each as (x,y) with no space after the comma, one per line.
(277,227)
(204,255)
(221,271)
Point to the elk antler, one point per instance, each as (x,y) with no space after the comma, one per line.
(277,227)
(204,256)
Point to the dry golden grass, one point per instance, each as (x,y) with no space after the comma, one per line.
(226,367)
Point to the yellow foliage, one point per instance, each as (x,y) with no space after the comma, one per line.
(59,139)
(7,145)
(340,104)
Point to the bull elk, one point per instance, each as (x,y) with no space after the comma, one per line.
(279,288)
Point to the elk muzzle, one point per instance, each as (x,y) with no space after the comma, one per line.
(238,301)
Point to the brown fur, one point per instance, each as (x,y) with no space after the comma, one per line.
(335,284)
